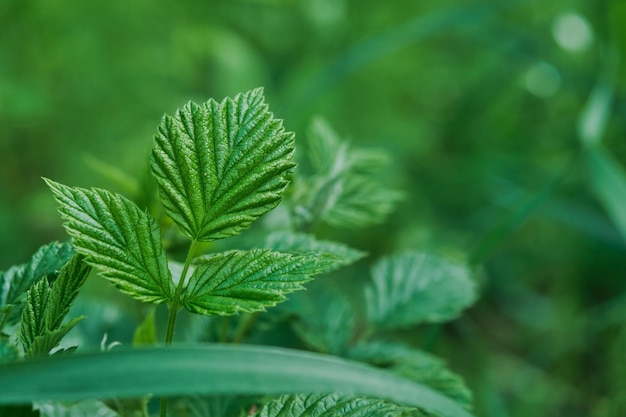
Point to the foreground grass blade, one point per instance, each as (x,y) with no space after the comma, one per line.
(207,369)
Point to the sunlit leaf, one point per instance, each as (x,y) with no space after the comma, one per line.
(117,237)
(237,281)
(332,405)
(414,288)
(219,166)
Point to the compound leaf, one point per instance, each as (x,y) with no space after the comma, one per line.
(238,281)
(219,166)
(117,237)
(331,405)
(414,288)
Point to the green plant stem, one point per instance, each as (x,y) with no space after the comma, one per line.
(174,307)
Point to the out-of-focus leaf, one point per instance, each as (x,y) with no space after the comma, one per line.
(414,364)
(237,281)
(332,405)
(117,237)
(413,288)
(219,166)
(302,243)
(145,333)
(208,369)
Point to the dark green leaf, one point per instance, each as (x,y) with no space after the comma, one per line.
(117,237)
(414,288)
(236,281)
(33,323)
(208,369)
(219,166)
(333,405)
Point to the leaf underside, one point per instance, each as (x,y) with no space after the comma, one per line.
(413,288)
(219,166)
(117,237)
(247,281)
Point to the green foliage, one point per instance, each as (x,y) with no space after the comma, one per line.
(236,281)
(14,282)
(329,405)
(413,288)
(42,325)
(118,238)
(220,166)
(343,188)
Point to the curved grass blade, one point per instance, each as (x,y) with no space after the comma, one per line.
(208,369)
(219,166)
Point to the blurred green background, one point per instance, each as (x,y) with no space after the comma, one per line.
(506,121)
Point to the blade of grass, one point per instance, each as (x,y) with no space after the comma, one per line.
(207,369)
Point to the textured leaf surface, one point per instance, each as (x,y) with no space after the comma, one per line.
(332,405)
(285,241)
(236,281)
(413,288)
(414,364)
(14,282)
(42,326)
(219,166)
(117,237)
(208,369)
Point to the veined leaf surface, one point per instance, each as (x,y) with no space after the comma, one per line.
(118,238)
(219,166)
(236,281)
(332,405)
(208,369)
(412,288)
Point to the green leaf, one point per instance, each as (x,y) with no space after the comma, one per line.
(219,166)
(344,189)
(332,405)
(14,282)
(145,333)
(302,243)
(237,281)
(41,326)
(117,237)
(208,369)
(414,364)
(413,288)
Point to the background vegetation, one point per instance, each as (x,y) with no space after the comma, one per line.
(493,112)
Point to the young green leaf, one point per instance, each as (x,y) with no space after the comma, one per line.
(14,282)
(302,243)
(415,365)
(236,281)
(332,405)
(42,319)
(219,166)
(117,237)
(414,288)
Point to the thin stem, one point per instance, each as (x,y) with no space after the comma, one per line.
(174,307)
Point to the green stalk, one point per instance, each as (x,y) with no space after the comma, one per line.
(174,307)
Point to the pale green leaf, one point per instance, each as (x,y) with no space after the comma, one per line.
(333,405)
(302,243)
(414,364)
(118,238)
(219,166)
(208,369)
(237,281)
(14,282)
(145,333)
(413,288)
